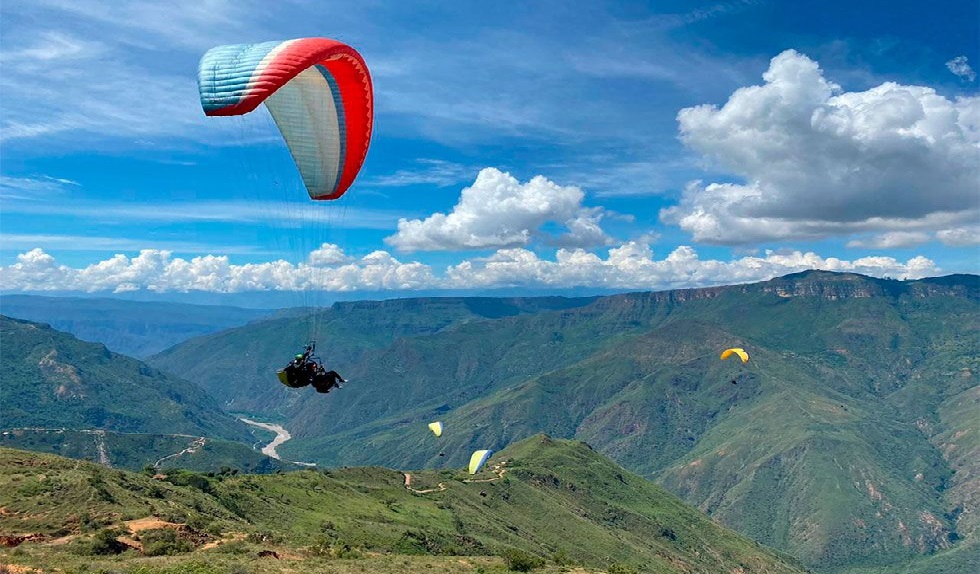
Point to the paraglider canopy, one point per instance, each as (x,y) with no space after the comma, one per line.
(318,92)
(736,351)
(436,428)
(477,459)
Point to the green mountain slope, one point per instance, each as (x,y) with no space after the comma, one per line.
(542,497)
(134,328)
(346,332)
(53,380)
(78,399)
(846,440)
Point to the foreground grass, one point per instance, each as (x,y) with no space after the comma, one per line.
(244,559)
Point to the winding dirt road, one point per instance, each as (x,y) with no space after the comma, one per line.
(195,445)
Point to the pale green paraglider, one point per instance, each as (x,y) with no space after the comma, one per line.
(436,428)
(479,457)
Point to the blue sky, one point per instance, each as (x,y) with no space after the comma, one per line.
(540,146)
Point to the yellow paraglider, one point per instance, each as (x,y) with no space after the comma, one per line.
(436,428)
(479,457)
(736,351)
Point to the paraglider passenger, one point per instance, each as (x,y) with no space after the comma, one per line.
(323,381)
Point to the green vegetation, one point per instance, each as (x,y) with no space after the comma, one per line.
(163,542)
(348,332)
(540,498)
(102,543)
(520,561)
(77,399)
(53,380)
(846,441)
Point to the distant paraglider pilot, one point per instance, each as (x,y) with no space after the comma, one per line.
(305,369)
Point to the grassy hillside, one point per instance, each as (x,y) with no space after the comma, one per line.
(134,328)
(847,440)
(555,501)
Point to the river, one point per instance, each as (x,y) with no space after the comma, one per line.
(282,435)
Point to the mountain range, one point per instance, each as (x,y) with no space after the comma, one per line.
(848,440)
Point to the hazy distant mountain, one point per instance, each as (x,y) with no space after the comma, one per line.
(134,328)
(557,501)
(847,440)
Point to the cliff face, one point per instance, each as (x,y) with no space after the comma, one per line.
(835,286)
(826,285)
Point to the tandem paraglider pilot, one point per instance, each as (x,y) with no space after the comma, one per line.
(307,369)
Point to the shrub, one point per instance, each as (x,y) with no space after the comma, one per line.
(520,561)
(234,547)
(103,543)
(89,523)
(419,542)
(163,542)
(327,547)
(620,568)
(561,558)
(179,477)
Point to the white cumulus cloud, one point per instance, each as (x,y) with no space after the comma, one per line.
(818,161)
(499,211)
(327,269)
(326,255)
(631,265)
